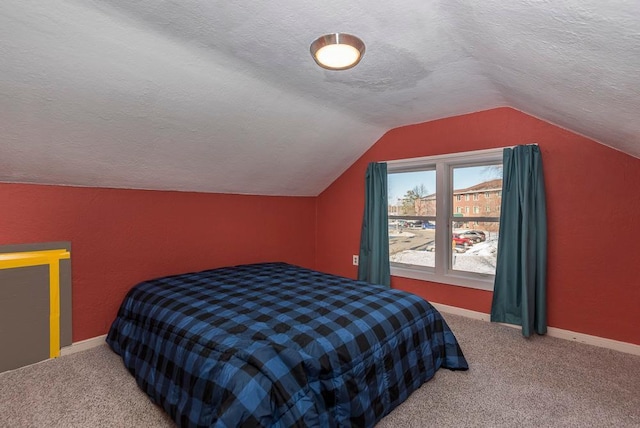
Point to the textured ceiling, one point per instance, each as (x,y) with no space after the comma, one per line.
(222,96)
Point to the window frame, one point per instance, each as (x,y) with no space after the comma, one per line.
(444,165)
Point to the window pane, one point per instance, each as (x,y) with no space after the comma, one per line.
(483,182)
(476,249)
(475,243)
(412,242)
(412,193)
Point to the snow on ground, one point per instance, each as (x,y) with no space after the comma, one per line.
(488,248)
(415,257)
(480,258)
(401,234)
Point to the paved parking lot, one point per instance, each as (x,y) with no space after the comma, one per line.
(419,241)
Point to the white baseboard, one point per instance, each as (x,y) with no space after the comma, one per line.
(629,348)
(83,345)
(467,313)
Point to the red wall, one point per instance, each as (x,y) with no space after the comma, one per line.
(593,208)
(121,237)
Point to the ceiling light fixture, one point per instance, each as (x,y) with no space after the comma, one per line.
(337,51)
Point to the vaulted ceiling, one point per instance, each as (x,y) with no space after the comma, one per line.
(223,96)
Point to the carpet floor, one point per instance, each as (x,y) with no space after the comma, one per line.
(512,382)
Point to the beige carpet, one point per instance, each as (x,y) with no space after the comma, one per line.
(512,382)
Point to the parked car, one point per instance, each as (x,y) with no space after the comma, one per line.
(474,235)
(428,225)
(480,233)
(458,240)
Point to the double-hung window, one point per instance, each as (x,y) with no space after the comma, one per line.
(437,235)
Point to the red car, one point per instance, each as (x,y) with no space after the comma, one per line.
(465,242)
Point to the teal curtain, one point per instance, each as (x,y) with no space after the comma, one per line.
(374,239)
(519,295)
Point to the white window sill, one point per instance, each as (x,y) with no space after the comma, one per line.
(460,279)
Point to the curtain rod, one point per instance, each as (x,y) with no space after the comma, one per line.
(452,155)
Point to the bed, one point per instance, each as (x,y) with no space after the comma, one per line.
(277,345)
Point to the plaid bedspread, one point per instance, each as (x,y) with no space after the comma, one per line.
(277,345)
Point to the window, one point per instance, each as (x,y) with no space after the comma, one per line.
(476,196)
(432,234)
(486,195)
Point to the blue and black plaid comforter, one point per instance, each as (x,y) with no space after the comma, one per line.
(278,345)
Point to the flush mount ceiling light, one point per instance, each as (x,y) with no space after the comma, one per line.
(337,51)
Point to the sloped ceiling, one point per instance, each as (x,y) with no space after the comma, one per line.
(222,96)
